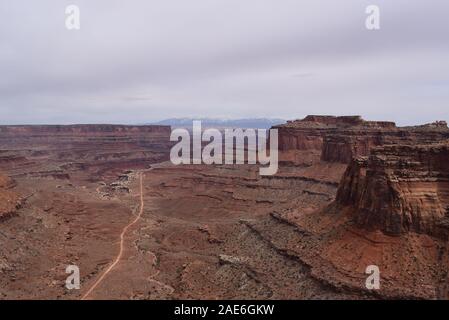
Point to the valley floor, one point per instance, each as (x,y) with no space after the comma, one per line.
(201,232)
(196,238)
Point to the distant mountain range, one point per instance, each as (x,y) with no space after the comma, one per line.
(254,123)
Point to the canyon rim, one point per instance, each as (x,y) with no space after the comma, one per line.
(348,194)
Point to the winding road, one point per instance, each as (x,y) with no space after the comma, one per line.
(122,241)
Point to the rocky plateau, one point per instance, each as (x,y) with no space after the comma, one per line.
(349,193)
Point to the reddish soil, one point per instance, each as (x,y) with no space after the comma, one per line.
(107,200)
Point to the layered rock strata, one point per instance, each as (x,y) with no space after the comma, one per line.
(400,188)
(23,149)
(340,139)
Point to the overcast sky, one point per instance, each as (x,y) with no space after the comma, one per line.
(139,61)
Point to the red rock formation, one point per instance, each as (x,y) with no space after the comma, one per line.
(342,146)
(340,139)
(224,232)
(400,188)
(391,211)
(8,199)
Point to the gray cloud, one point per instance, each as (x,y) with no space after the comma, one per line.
(144,60)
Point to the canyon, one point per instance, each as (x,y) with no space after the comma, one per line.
(349,193)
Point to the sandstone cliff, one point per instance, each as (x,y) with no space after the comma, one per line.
(400,188)
(391,207)
(391,211)
(340,139)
